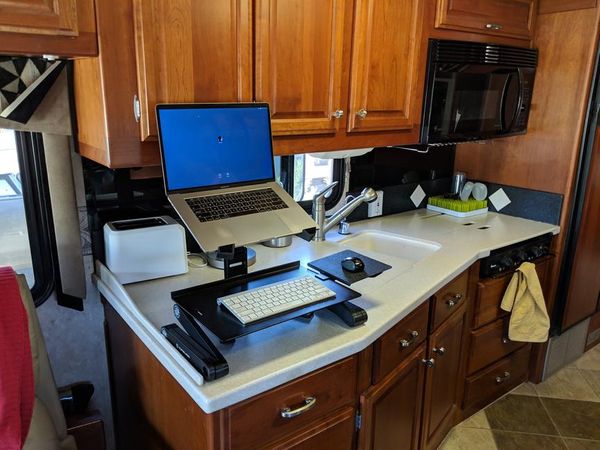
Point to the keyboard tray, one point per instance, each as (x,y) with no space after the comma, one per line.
(201,301)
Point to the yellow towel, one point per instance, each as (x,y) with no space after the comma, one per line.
(529,321)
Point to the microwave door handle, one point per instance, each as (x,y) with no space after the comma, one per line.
(508,128)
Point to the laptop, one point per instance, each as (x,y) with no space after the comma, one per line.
(219,175)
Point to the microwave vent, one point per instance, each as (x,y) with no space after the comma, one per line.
(476,53)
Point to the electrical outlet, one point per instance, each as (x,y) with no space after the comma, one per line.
(376,207)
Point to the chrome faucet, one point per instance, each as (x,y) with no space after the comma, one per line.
(367,195)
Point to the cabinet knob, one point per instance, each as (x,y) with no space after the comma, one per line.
(439,350)
(501,379)
(493,26)
(505,340)
(309,403)
(429,363)
(362,113)
(338,114)
(137,111)
(453,300)
(407,342)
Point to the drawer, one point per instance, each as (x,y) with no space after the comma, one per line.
(258,421)
(496,380)
(489,344)
(491,290)
(399,342)
(511,18)
(447,299)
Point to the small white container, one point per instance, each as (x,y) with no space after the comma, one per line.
(144,249)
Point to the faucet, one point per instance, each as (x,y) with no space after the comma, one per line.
(367,195)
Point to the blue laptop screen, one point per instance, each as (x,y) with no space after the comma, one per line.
(209,146)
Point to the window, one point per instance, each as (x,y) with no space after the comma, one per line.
(14,237)
(26,235)
(303,176)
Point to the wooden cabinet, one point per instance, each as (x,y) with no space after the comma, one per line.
(59,27)
(301,72)
(449,299)
(491,290)
(394,346)
(335,431)
(298,63)
(443,380)
(154,411)
(186,52)
(583,295)
(391,410)
(511,18)
(58,17)
(196,51)
(494,381)
(431,378)
(384,88)
(490,343)
(334,75)
(314,397)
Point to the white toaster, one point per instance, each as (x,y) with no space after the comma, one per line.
(143,249)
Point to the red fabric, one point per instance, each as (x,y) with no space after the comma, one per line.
(16,366)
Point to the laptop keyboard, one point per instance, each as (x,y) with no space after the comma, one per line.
(234,204)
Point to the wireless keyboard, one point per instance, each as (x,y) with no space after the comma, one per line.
(266,301)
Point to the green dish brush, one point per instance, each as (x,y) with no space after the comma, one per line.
(457,205)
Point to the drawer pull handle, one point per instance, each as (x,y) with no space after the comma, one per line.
(453,300)
(362,113)
(493,26)
(407,342)
(505,340)
(309,403)
(503,378)
(429,363)
(439,350)
(338,114)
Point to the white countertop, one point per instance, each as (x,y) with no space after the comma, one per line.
(271,357)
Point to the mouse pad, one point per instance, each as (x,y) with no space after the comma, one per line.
(332,266)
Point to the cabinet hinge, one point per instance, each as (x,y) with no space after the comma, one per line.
(357,421)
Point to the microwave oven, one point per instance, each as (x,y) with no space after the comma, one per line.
(476,91)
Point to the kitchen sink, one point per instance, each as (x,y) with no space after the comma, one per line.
(391,244)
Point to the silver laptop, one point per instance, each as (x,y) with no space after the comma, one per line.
(219,174)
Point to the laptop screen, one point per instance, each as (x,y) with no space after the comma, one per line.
(213,145)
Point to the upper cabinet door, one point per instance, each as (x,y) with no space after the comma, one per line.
(512,18)
(54,17)
(385,65)
(298,64)
(191,51)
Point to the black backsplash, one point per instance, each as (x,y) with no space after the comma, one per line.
(114,195)
(528,203)
(398,173)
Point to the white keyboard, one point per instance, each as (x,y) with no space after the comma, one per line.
(265,301)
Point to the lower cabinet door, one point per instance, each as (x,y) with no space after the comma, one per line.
(333,433)
(391,409)
(443,380)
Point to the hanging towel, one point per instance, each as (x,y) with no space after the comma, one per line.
(16,365)
(529,321)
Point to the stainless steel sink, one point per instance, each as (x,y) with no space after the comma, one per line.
(396,245)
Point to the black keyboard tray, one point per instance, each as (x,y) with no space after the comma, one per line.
(201,301)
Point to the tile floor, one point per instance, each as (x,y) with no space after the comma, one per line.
(562,413)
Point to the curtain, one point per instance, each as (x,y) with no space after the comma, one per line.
(24,82)
(34,97)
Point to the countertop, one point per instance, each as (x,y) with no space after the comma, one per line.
(271,357)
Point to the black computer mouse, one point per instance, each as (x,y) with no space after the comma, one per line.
(353,264)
